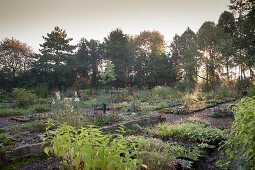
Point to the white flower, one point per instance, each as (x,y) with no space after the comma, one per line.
(76,99)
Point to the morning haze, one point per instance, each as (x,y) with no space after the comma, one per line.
(28,20)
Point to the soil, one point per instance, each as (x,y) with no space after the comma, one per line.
(222,123)
(42,164)
(8,121)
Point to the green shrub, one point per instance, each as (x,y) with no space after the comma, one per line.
(123,107)
(84,94)
(102,119)
(43,101)
(100,100)
(24,97)
(136,128)
(240,143)
(142,96)
(88,148)
(251,91)
(4,96)
(224,93)
(243,84)
(161,91)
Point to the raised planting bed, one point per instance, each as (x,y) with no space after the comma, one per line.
(8,105)
(171,146)
(186,109)
(36,149)
(142,122)
(22,151)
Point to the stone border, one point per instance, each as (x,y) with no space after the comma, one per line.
(23,151)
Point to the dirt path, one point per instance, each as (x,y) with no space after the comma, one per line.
(222,123)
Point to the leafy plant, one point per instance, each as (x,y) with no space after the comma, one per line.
(4,96)
(6,143)
(136,128)
(102,119)
(251,91)
(87,148)
(243,84)
(24,97)
(84,94)
(240,143)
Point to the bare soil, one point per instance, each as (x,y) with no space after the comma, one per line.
(222,123)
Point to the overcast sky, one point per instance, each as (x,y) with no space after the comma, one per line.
(28,20)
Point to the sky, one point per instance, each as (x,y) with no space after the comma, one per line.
(29,20)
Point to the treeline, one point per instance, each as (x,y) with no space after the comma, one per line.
(138,61)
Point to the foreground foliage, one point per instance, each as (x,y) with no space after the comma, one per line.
(88,148)
(241,140)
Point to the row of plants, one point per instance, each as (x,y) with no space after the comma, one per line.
(37,108)
(191,130)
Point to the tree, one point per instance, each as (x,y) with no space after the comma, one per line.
(95,53)
(54,62)
(186,57)
(82,61)
(159,71)
(151,42)
(108,76)
(117,50)
(227,25)
(15,58)
(150,46)
(244,35)
(208,38)
(241,7)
